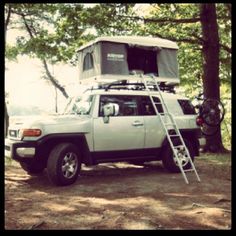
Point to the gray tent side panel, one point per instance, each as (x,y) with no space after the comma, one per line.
(114,58)
(95,51)
(167,63)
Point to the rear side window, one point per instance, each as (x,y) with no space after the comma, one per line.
(147,107)
(187,107)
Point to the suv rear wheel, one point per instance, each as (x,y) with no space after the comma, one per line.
(64,164)
(169,161)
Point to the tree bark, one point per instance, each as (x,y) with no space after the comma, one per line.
(6,116)
(53,80)
(6,120)
(211,83)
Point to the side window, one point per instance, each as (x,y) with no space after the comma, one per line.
(127,104)
(88,61)
(147,108)
(187,107)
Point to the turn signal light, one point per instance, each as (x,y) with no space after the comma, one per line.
(31,132)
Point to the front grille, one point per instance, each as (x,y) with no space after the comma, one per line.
(13,133)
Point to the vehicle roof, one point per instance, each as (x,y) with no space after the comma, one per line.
(136,40)
(166,95)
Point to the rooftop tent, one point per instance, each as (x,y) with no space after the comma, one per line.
(118,57)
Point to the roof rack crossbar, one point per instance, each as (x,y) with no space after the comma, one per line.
(124,84)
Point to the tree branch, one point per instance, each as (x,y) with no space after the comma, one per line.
(52,79)
(226,48)
(197,40)
(27,26)
(8,17)
(7,21)
(163,20)
(185,40)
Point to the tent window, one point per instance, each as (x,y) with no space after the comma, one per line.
(142,60)
(88,62)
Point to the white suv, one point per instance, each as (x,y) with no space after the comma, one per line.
(104,125)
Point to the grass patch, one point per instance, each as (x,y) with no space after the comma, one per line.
(9,162)
(215,164)
(216,159)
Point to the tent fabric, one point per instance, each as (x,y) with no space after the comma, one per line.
(167,63)
(95,52)
(135,40)
(112,58)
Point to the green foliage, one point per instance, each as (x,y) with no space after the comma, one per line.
(188,36)
(53,31)
(59,29)
(227,122)
(107,20)
(11,52)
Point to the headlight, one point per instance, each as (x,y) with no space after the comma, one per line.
(29,133)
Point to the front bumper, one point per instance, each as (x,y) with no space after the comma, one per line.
(19,150)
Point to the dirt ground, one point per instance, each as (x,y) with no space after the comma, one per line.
(122,196)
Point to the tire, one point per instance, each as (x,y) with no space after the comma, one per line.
(64,163)
(169,161)
(32,168)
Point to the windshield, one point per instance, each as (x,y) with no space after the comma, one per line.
(79,105)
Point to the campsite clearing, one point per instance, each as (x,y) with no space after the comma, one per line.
(122,196)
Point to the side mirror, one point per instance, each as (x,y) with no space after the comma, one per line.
(110,109)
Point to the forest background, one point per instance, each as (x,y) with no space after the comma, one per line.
(41,42)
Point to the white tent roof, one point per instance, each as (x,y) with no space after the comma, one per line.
(135,40)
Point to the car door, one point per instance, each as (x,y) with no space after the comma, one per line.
(154,131)
(124,131)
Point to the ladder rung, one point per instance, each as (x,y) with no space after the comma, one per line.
(174,135)
(189,170)
(179,146)
(164,113)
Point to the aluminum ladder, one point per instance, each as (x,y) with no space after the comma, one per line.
(181,148)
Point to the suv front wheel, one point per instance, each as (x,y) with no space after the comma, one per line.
(169,160)
(64,164)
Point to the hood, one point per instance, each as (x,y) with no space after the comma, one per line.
(50,124)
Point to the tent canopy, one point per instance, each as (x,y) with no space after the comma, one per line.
(125,56)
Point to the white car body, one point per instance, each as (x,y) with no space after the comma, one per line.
(123,138)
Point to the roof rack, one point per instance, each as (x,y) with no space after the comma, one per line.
(125,85)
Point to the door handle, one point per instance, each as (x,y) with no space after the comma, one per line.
(137,123)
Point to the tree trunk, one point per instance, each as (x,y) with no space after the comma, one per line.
(211,83)
(6,120)
(6,116)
